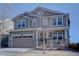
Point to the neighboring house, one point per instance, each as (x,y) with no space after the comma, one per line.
(29,29)
(5,26)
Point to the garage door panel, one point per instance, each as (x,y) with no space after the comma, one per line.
(24,42)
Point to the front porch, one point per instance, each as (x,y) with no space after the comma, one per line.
(51,39)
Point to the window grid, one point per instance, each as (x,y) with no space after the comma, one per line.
(57,35)
(34,22)
(58,21)
(21,23)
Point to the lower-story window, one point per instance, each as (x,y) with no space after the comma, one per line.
(57,35)
(54,36)
(57,38)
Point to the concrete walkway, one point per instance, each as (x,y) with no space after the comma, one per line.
(32,52)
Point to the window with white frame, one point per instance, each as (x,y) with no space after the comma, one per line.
(60,21)
(54,21)
(18,24)
(21,23)
(57,36)
(57,21)
(34,22)
(60,35)
(54,35)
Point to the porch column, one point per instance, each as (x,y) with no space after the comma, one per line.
(47,38)
(10,43)
(36,38)
(51,40)
(66,37)
(47,35)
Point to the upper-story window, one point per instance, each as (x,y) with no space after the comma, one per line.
(58,21)
(21,23)
(54,21)
(34,22)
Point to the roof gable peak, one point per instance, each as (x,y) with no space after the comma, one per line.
(46,9)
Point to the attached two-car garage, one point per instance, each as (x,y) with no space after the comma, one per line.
(23,41)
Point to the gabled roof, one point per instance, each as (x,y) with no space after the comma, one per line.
(46,11)
(29,15)
(34,14)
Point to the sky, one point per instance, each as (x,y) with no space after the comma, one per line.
(73,9)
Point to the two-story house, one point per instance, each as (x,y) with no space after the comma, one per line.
(31,28)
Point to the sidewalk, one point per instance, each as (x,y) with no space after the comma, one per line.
(32,52)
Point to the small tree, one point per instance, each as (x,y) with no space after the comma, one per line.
(43,34)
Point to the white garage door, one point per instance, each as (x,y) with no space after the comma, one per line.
(23,41)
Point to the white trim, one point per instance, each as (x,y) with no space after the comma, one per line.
(66,21)
(11,42)
(33,29)
(56,17)
(26,17)
(29,22)
(21,23)
(23,35)
(57,35)
(62,22)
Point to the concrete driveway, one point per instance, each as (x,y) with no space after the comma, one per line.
(32,52)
